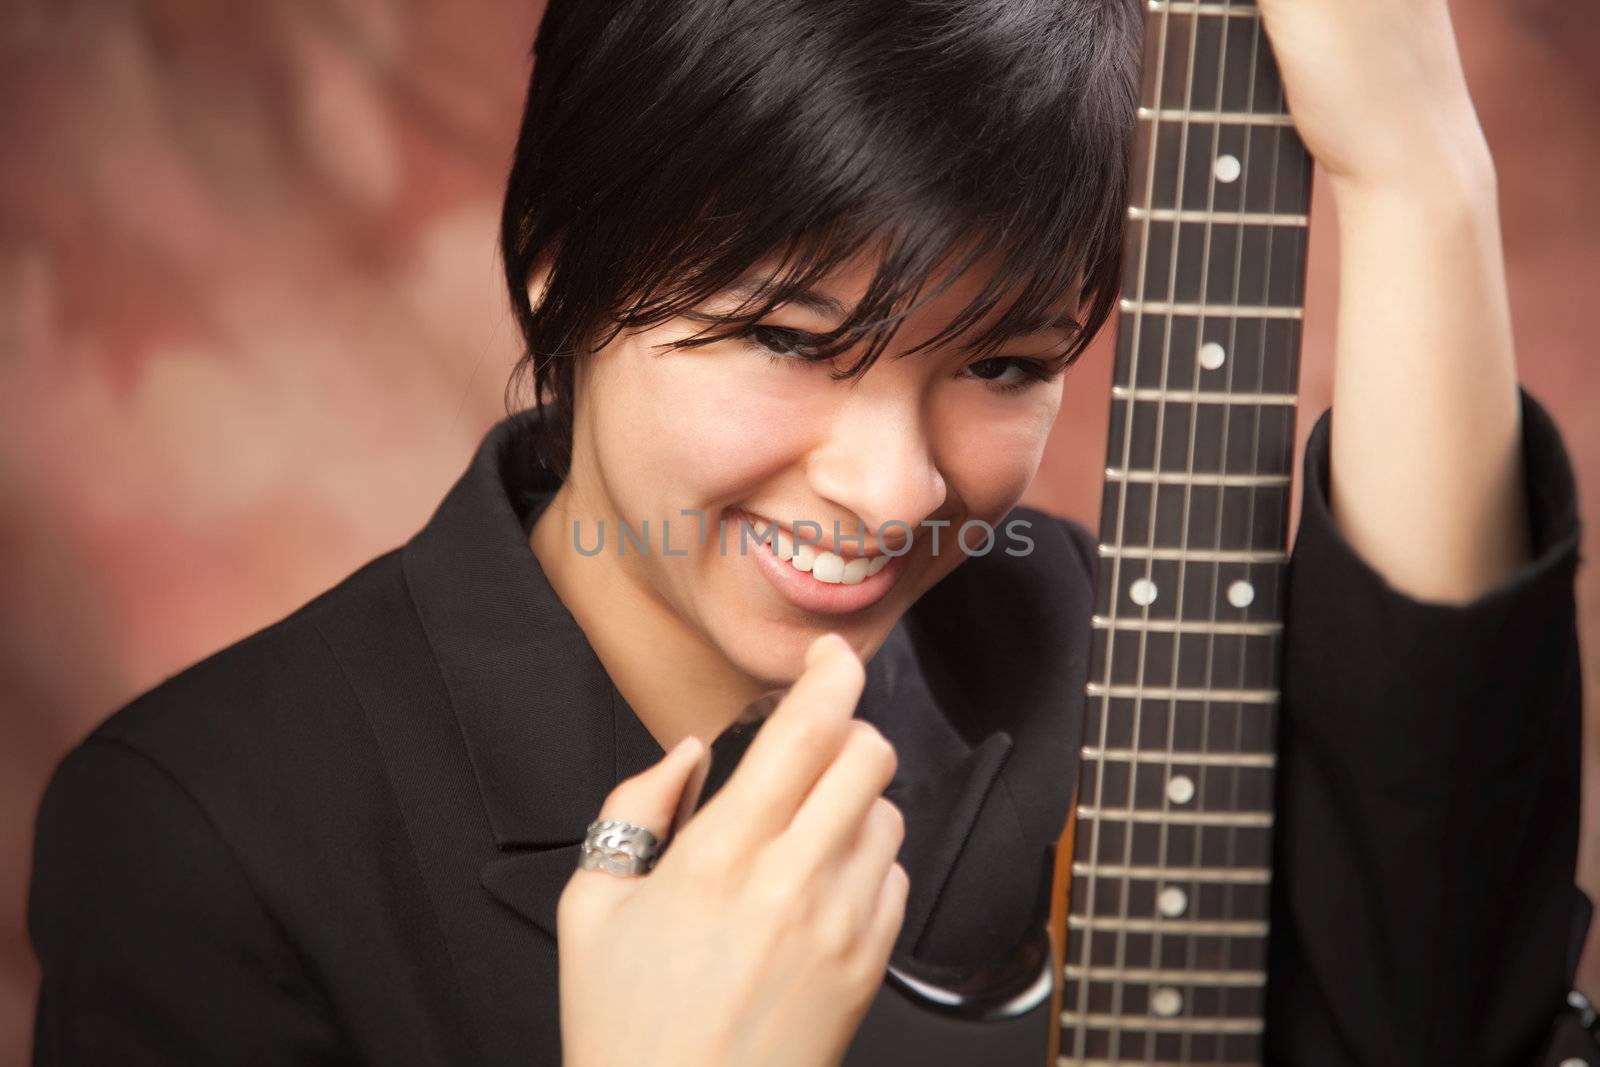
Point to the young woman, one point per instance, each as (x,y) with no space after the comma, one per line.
(825,261)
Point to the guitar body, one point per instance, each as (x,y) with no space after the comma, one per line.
(902,1029)
(1163,874)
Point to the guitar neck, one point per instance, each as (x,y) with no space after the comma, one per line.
(1171,863)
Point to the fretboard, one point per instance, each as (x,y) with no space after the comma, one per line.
(1167,925)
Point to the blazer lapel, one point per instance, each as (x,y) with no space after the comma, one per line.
(529,879)
(536,709)
(530,882)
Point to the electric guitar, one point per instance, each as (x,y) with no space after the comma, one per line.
(1166,863)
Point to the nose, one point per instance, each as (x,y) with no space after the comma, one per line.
(878,464)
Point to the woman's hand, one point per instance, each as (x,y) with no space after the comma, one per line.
(763,932)
(1376,89)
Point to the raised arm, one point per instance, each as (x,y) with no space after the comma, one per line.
(1427,808)
(1426,479)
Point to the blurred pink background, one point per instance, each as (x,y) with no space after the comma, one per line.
(251,325)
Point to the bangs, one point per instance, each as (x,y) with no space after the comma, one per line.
(1037,283)
(674,151)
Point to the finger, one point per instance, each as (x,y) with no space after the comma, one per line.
(650,798)
(830,818)
(792,749)
(890,914)
(862,871)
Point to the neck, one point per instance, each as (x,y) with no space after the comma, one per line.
(673,677)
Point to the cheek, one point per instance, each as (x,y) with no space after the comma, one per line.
(690,427)
(992,459)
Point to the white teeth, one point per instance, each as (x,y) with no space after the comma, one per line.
(823,565)
(833,568)
(828,567)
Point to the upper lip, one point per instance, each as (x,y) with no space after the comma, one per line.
(845,549)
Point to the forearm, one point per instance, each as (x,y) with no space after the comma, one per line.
(1426,474)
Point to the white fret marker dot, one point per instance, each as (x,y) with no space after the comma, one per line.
(1180,789)
(1212,355)
(1241,593)
(1172,902)
(1166,1002)
(1143,592)
(1227,169)
(1574,1061)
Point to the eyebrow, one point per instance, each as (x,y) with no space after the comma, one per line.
(809,299)
(823,304)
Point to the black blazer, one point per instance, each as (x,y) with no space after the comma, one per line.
(342,838)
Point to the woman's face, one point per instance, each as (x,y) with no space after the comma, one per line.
(701,437)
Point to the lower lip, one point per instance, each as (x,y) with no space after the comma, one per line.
(808,593)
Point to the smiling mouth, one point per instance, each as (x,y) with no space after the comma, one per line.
(823,565)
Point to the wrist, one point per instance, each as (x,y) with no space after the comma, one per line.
(1448,168)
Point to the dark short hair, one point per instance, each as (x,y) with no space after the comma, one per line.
(668,147)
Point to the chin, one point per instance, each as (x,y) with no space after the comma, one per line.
(776,664)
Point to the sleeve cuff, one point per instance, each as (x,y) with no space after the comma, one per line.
(1553,516)
(1481,670)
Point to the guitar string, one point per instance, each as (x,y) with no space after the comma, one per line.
(1152,516)
(1089,910)
(1268,708)
(1287,413)
(1216,104)
(1165,768)
(1229,903)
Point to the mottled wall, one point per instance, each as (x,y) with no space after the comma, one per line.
(250,325)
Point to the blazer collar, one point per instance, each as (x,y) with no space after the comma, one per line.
(548,734)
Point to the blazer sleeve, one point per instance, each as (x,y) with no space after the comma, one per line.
(154,947)
(1427,797)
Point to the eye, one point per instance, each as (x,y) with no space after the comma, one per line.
(782,345)
(1028,373)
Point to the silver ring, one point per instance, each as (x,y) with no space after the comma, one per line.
(620,848)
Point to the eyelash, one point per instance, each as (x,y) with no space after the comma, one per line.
(1036,372)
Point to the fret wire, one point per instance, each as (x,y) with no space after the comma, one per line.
(1204,694)
(1217,118)
(1193,927)
(1206,555)
(1181,818)
(1105,622)
(1203,396)
(1248,875)
(1188,7)
(1201,758)
(1153,1023)
(1167,975)
(1214,311)
(1242,218)
(1197,478)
